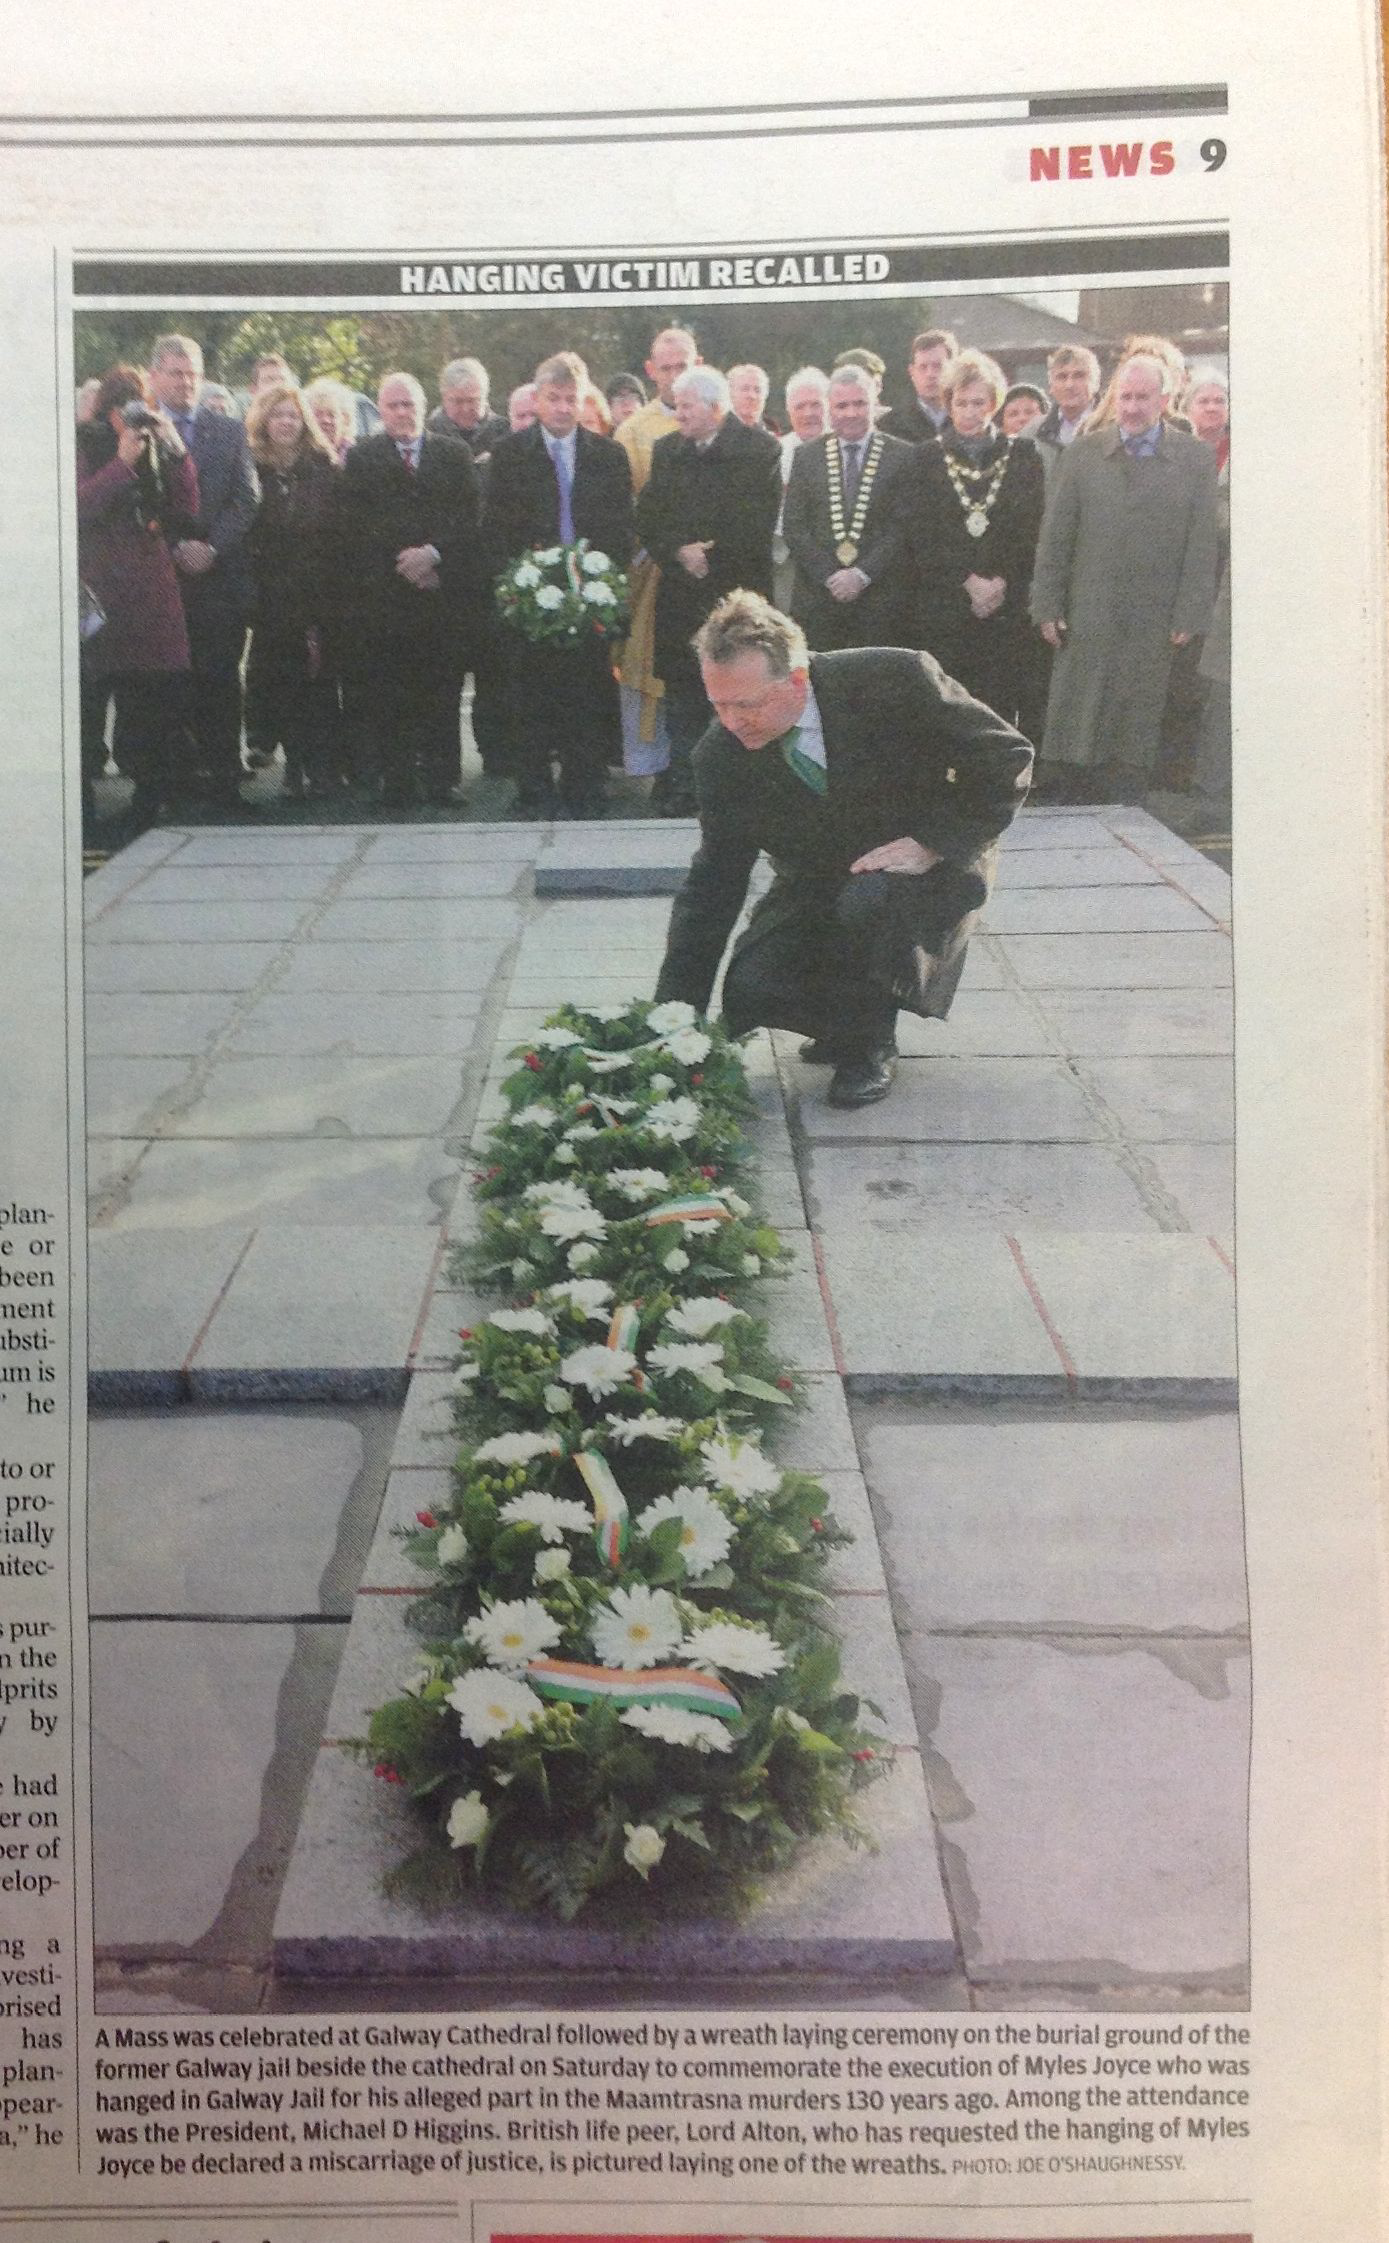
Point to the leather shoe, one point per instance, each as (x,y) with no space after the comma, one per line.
(863,1081)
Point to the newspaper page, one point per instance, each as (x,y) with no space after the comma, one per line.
(635,1603)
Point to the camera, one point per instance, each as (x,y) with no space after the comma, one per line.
(137,414)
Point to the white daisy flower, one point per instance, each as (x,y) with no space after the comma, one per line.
(556,1191)
(662,1085)
(516,1448)
(644,1846)
(532,1320)
(566,1153)
(697,1359)
(488,1704)
(549,596)
(554,1039)
(647,1427)
(752,1267)
(548,558)
(550,1513)
(737,1650)
(606,1013)
(699,1317)
(580,1131)
(740,1467)
(670,1725)
(694,1225)
(551,1565)
(639,1183)
(514,1632)
(676,1260)
(637,1627)
(602,1370)
(706,1535)
(672,1120)
(525,575)
(566,1222)
(590,1295)
(452,1546)
(557,1400)
(468,1820)
(581,1255)
(534,1117)
(601,595)
(595,563)
(689,1046)
(668,1019)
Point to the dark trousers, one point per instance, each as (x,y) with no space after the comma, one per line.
(147,731)
(564,709)
(412,690)
(688,718)
(491,713)
(287,707)
(804,970)
(217,642)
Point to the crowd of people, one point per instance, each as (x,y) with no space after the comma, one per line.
(302,570)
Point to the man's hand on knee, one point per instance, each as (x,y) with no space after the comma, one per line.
(904,855)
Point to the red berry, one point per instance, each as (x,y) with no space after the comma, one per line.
(785,1385)
(696,1080)
(817,1526)
(532,1060)
(708,1172)
(426,1518)
(865,1755)
(384,1772)
(465,1332)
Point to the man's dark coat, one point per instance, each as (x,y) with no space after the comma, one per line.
(907,752)
(385,510)
(523,497)
(878,617)
(730,494)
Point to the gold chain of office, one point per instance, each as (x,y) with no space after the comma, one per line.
(978,505)
(848,537)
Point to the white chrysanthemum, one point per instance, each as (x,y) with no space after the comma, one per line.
(532,1320)
(676,1260)
(468,1819)
(696,1359)
(606,1013)
(525,575)
(514,1632)
(554,1039)
(668,1019)
(601,1369)
(736,1650)
(516,1448)
(637,1627)
(488,1704)
(549,596)
(696,1225)
(607,1062)
(595,563)
(548,558)
(580,1256)
(670,1725)
(735,1203)
(565,1153)
(752,1267)
(564,1222)
(644,1846)
(601,595)
(556,1191)
(558,1399)
(647,1427)
(740,1467)
(639,1183)
(552,1514)
(552,1565)
(706,1535)
(689,1046)
(452,1546)
(699,1317)
(590,1295)
(672,1119)
(534,1117)
(662,1085)
(581,1130)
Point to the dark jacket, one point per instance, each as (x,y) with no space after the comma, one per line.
(522,507)
(907,752)
(943,553)
(386,509)
(877,617)
(731,495)
(294,545)
(480,440)
(228,494)
(909,423)
(129,565)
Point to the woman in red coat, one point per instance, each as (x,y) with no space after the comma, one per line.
(137,495)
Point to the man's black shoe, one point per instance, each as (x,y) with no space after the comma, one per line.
(863,1081)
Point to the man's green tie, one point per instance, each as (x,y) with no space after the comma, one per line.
(807,770)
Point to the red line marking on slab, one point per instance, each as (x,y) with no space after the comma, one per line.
(1164,875)
(201,1334)
(1218,1250)
(1035,1296)
(827,1302)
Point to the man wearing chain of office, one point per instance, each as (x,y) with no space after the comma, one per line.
(878,788)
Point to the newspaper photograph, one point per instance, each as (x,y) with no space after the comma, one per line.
(678,1562)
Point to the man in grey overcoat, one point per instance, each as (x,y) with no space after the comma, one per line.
(1125,574)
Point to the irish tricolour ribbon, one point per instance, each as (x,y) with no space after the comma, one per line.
(633,1686)
(611,1521)
(699,1207)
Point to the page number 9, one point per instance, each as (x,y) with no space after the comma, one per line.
(1213,154)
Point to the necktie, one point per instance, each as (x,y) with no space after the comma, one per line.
(810,773)
(565,479)
(853,468)
(407,454)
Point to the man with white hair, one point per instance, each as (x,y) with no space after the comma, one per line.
(522,408)
(1073,381)
(845,521)
(414,565)
(807,414)
(749,387)
(1125,574)
(706,518)
(463,410)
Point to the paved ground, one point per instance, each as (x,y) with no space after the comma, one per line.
(1018,1269)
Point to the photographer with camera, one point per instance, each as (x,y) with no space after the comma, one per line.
(137,495)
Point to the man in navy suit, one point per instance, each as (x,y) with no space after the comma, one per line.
(213,565)
(552,484)
(413,564)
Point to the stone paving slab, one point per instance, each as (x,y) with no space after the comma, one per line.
(217,1692)
(819,1437)
(422,1025)
(856,1570)
(1057,829)
(151,968)
(424,1436)
(1072,1523)
(943,1306)
(1140,1023)
(124,1093)
(375,968)
(881,1190)
(407,1494)
(1143,1313)
(414,919)
(1180,961)
(1169,1099)
(1201,1178)
(242,883)
(1063,911)
(1014,1102)
(192,1184)
(451,880)
(124,1027)
(876,1917)
(1091,1799)
(650,858)
(273,1334)
(1050,866)
(323,1095)
(983,1023)
(132,921)
(795,1309)
(149,1295)
(454,844)
(241,845)
(192,1514)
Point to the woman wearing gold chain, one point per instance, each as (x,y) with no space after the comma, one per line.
(974,527)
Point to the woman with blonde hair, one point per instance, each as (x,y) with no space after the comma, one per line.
(335,411)
(291,696)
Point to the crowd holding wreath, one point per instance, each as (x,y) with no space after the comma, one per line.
(307,576)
